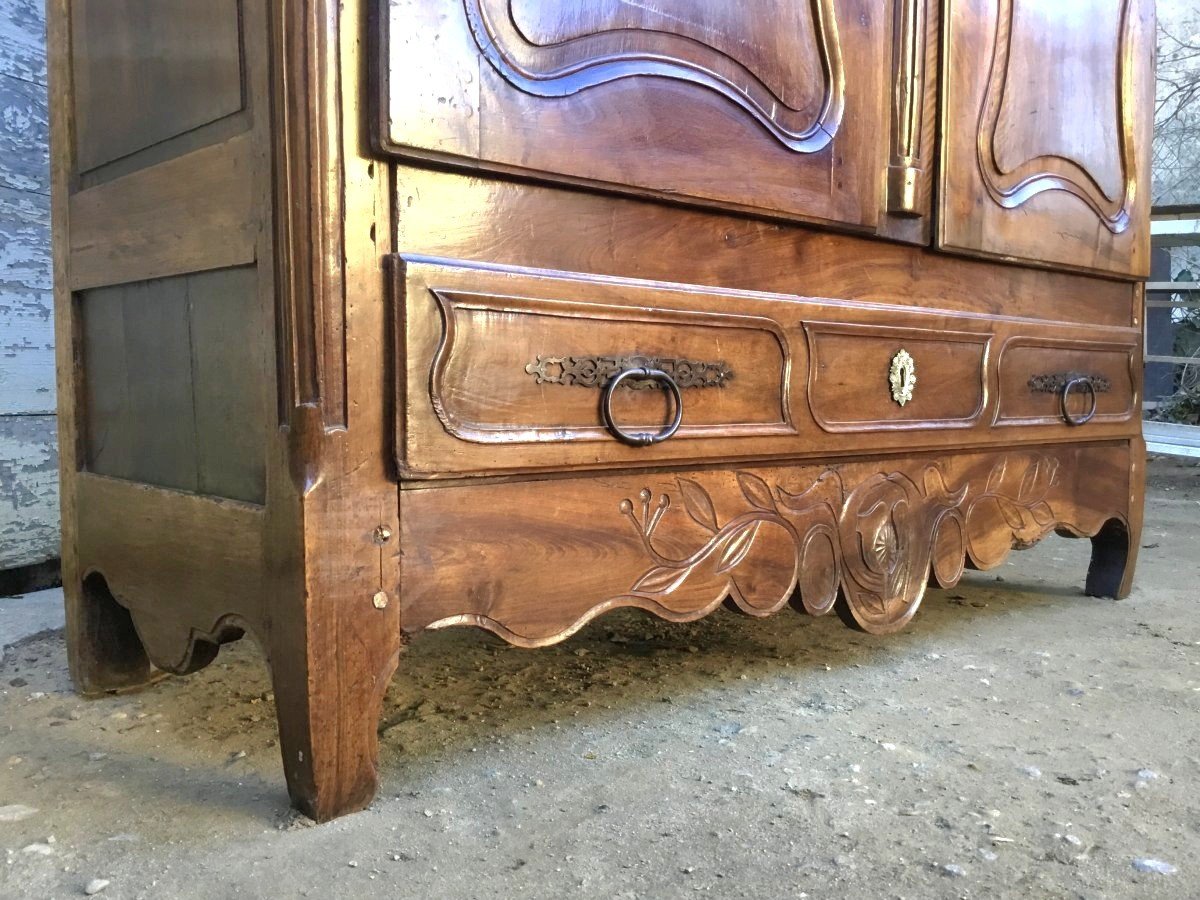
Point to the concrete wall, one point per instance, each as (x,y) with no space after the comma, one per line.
(28,450)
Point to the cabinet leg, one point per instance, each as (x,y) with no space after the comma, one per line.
(1114,556)
(104,651)
(328,707)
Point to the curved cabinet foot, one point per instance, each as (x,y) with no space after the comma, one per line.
(329,732)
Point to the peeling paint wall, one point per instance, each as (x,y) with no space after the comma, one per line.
(28,447)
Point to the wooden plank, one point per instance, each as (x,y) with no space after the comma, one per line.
(28,490)
(175,385)
(146,71)
(23,40)
(189,214)
(167,544)
(229,365)
(26,304)
(29,511)
(160,383)
(104,394)
(137,377)
(616,236)
(24,136)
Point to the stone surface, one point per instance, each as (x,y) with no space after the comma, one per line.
(29,614)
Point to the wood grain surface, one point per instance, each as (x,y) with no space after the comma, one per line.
(810,375)
(547,557)
(1059,140)
(315,317)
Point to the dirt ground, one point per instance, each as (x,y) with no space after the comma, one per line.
(1018,740)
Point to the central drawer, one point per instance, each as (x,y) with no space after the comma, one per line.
(504,369)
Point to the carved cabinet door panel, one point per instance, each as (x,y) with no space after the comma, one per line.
(1046,131)
(773,105)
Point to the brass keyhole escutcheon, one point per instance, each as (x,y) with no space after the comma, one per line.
(902,376)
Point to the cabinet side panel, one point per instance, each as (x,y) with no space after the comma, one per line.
(170,328)
(146,71)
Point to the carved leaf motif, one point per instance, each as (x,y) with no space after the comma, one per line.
(737,548)
(661,580)
(1038,480)
(996,477)
(1029,482)
(1042,514)
(873,602)
(1011,512)
(936,489)
(698,504)
(757,491)
(827,489)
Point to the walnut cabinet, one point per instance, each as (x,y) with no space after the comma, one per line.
(380,316)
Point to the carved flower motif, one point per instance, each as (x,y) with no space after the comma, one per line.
(887,535)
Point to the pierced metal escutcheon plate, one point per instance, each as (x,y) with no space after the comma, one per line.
(902,376)
(1054,383)
(597,371)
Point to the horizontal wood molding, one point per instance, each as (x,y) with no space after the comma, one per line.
(189,214)
(447,215)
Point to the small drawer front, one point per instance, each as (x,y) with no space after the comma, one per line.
(512,366)
(1034,372)
(858,376)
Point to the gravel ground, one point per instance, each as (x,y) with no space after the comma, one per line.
(1018,740)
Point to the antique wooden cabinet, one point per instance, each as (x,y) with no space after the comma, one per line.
(378,316)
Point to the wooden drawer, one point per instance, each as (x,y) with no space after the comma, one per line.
(503,369)
(950,365)
(509,360)
(1033,371)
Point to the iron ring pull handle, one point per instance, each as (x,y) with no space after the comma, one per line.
(641,438)
(1086,384)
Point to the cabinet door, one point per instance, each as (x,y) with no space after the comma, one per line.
(1046,131)
(773,105)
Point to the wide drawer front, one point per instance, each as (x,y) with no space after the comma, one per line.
(505,370)
(516,370)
